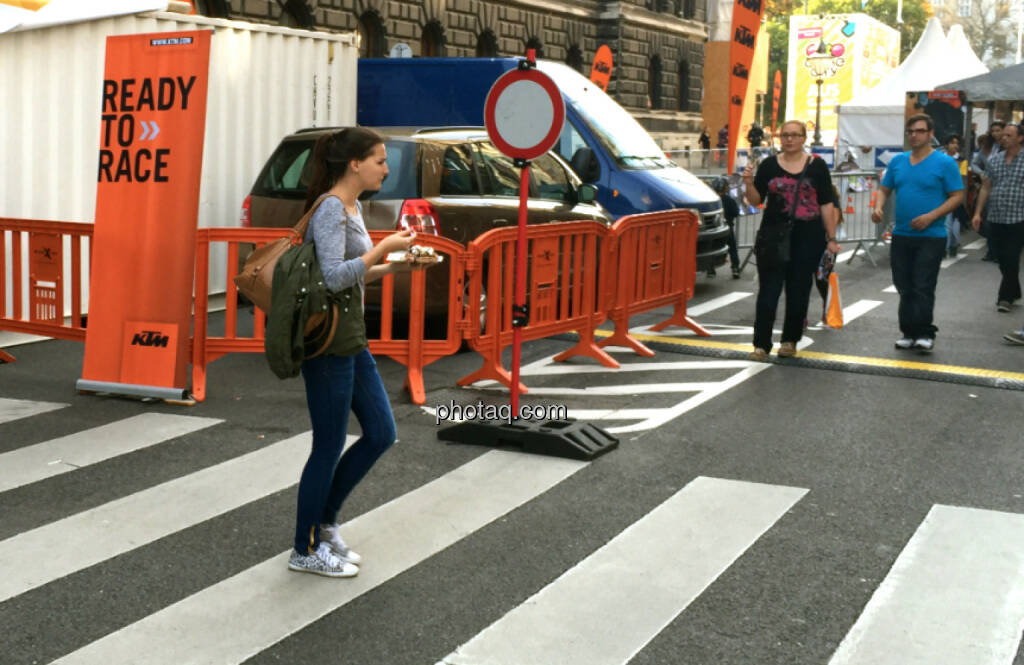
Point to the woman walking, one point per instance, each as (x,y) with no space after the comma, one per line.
(796,189)
(345,164)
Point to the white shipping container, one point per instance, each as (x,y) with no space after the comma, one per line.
(265,82)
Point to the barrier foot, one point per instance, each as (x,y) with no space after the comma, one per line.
(6,357)
(493,373)
(198,383)
(587,347)
(414,384)
(619,338)
(681,318)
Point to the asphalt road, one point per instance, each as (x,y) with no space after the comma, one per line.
(752,513)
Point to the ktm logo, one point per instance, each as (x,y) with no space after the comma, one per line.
(150,338)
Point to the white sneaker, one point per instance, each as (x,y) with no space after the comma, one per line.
(904,343)
(924,344)
(322,562)
(331,534)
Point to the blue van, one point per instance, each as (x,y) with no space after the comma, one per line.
(604,144)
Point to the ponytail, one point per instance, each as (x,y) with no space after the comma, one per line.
(332,154)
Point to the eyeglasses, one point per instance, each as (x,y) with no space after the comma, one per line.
(790,137)
(918,131)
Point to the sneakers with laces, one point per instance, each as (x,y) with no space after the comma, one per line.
(787,349)
(1015,337)
(904,343)
(1003,306)
(331,534)
(322,562)
(760,355)
(924,344)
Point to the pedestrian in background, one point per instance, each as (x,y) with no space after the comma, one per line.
(928,187)
(796,189)
(705,145)
(1003,190)
(995,133)
(958,216)
(731,210)
(722,144)
(345,164)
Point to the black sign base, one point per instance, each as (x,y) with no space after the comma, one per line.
(559,438)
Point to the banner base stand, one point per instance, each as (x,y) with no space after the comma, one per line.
(558,438)
(131,390)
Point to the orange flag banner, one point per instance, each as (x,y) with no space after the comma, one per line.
(746,24)
(776,95)
(152,121)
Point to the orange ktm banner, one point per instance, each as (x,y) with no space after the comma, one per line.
(776,95)
(601,69)
(746,23)
(152,120)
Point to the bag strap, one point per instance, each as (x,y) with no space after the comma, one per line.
(329,337)
(303,223)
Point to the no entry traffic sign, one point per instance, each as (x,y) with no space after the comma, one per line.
(524,113)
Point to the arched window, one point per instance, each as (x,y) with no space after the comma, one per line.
(372,37)
(297,14)
(536,45)
(684,84)
(654,82)
(214,8)
(432,40)
(486,45)
(574,58)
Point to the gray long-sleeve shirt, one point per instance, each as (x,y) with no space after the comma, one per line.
(340,240)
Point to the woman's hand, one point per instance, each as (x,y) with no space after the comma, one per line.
(834,246)
(748,172)
(397,242)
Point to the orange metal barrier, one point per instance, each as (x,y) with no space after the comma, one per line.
(564,292)
(653,258)
(240,335)
(42,266)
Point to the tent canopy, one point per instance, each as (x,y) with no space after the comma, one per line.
(1003,84)
(875,117)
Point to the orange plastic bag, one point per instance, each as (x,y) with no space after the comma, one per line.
(833,303)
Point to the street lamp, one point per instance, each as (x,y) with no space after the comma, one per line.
(821,65)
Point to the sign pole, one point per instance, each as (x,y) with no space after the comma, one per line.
(519,313)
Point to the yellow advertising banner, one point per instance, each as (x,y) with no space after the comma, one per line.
(847,53)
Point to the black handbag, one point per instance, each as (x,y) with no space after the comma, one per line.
(772,247)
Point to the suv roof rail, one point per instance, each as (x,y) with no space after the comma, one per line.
(453,128)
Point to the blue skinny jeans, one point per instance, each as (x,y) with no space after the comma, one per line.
(336,385)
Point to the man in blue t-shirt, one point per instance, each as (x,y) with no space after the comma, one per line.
(928,187)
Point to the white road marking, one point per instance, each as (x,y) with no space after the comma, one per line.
(15,409)
(127,523)
(621,389)
(247,613)
(977,244)
(716,303)
(890,289)
(858,309)
(67,453)
(954,596)
(950,260)
(606,608)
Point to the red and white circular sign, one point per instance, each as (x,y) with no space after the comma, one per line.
(524,113)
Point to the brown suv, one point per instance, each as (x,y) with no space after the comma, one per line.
(451,178)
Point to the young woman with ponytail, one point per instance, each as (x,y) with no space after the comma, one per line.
(345,164)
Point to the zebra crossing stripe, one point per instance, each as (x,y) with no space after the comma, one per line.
(717,303)
(127,523)
(245,614)
(954,596)
(660,563)
(15,409)
(67,453)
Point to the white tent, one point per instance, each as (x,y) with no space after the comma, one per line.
(875,118)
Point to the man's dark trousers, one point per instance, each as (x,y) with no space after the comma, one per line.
(915,272)
(1008,240)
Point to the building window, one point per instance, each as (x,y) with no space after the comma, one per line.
(963,8)
(574,58)
(654,83)
(536,45)
(297,14)
(372,37)
(432,40)
(684,85)
(487,45)
(689,8)
(214,8)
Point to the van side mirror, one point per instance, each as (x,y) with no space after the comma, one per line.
(586,193)
(584,163)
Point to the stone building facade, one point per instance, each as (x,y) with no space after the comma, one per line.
(658,45)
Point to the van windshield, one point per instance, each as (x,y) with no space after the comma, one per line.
(620,134)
